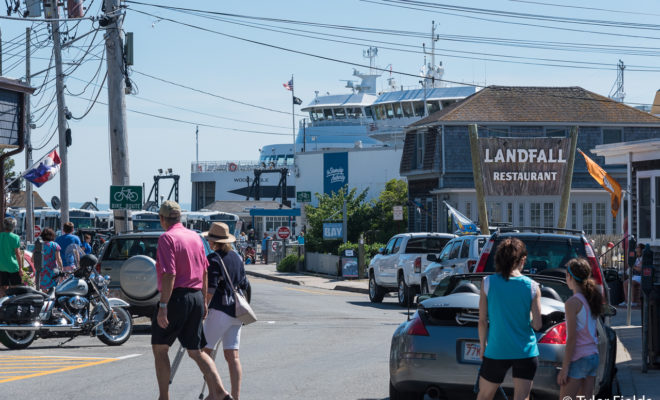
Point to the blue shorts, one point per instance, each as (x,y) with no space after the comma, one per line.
(584,367)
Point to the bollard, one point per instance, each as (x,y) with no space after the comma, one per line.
(38,260)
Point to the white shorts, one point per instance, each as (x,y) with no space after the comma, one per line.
(220,326)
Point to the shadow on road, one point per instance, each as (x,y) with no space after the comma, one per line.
(381,306)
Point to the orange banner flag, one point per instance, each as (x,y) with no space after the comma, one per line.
(606,181)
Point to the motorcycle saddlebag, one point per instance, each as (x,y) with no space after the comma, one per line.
(21,308)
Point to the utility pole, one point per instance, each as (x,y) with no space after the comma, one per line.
(61,119)
(117,107)
(197,146)
(29,202)
(568,181)
(0,52)
(478,179)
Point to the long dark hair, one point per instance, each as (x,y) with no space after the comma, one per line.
(580,270)
(508,255)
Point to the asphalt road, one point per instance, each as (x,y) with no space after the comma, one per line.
(308,344)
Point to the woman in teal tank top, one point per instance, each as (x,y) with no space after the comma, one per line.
(506,331)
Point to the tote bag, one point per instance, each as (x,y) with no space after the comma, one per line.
(244,312)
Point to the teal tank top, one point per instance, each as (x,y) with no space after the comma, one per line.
(510,333)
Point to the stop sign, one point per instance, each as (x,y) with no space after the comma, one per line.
(37,231)
(283,232)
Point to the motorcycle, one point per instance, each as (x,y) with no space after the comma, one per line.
(78,305)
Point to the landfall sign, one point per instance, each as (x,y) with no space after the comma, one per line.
(523,166)
(335,172)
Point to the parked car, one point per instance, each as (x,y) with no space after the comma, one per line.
(547,252)
(436,353)
(459,256)
(130,261)
(399,265)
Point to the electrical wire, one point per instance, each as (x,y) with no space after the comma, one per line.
(586,8)
(95,100)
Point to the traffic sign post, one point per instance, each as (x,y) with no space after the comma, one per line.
(397,213)
(37,231)
(125,197)
(283,232)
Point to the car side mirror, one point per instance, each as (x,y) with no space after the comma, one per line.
(431,257)
(422,297)
(609,311)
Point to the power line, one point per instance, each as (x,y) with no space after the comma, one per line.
(210,94)
(585,8)
(294,51)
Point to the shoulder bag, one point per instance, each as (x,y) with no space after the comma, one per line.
(244,312)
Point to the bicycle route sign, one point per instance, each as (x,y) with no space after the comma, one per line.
(125,197)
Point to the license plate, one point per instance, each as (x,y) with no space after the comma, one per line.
(471,351)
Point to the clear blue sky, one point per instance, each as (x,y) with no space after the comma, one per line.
(254,73)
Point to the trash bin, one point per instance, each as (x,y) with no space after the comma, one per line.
(615,285)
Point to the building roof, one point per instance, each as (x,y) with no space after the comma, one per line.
(18,200)
(341,100)
(457,92)
(538,105)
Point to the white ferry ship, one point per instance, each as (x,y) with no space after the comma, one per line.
(361,119)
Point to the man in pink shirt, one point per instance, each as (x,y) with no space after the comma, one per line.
(181,267)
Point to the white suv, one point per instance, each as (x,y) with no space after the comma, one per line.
(399,265)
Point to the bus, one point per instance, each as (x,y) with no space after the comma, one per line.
(202,220)
(146,221)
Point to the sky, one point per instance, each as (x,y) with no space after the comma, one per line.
(238,55)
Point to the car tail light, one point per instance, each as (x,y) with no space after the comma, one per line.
(556,335)
(484,255)
(418,264)
(417,327)
(595,268)
(470,265)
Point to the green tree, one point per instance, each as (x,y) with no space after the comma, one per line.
(10,175)
(329,209)
(383,225)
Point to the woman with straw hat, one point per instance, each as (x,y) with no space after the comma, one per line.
(221,323)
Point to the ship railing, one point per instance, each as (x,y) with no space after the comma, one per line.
(364,121)
(225,165)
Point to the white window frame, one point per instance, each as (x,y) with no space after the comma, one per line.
(652,175)
(420,143)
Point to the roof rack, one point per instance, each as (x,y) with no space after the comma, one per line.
(541,228)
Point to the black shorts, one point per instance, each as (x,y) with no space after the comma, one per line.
(185,312)
(10,278)
(494,370)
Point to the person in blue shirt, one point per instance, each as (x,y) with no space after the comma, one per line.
(70,247)
(264,248)
(506,332)
(87,246)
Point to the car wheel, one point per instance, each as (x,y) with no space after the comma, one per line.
(376,293)
(399,395)
(405,293)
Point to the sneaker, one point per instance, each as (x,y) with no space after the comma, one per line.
(622,304)
(636,304)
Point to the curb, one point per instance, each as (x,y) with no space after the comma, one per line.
(352,289)
(273,278)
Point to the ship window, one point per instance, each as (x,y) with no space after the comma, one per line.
(312,116)
(340,113)
(380,112)
(390,111)
(289,159)
(367,111)
(447,103)
(419,108)
(358,112)
(433,106)
(408,109)
(281,159)
(327,114)
(350,112)
(398,112)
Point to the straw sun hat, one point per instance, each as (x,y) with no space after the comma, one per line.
(219,233)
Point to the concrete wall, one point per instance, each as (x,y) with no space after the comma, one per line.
(321,263)
(367,168)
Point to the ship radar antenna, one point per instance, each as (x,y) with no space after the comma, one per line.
(371,54)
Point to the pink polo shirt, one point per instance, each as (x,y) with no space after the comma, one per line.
(181,252)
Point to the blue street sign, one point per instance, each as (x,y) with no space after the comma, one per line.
(333,230)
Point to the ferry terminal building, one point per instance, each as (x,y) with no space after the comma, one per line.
(437,162)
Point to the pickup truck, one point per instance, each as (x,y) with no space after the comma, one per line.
(398,267)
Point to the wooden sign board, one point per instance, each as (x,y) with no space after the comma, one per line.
(523,166)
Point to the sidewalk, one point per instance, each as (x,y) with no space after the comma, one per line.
(268,271)
(629,358)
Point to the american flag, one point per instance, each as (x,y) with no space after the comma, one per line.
(288,85)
